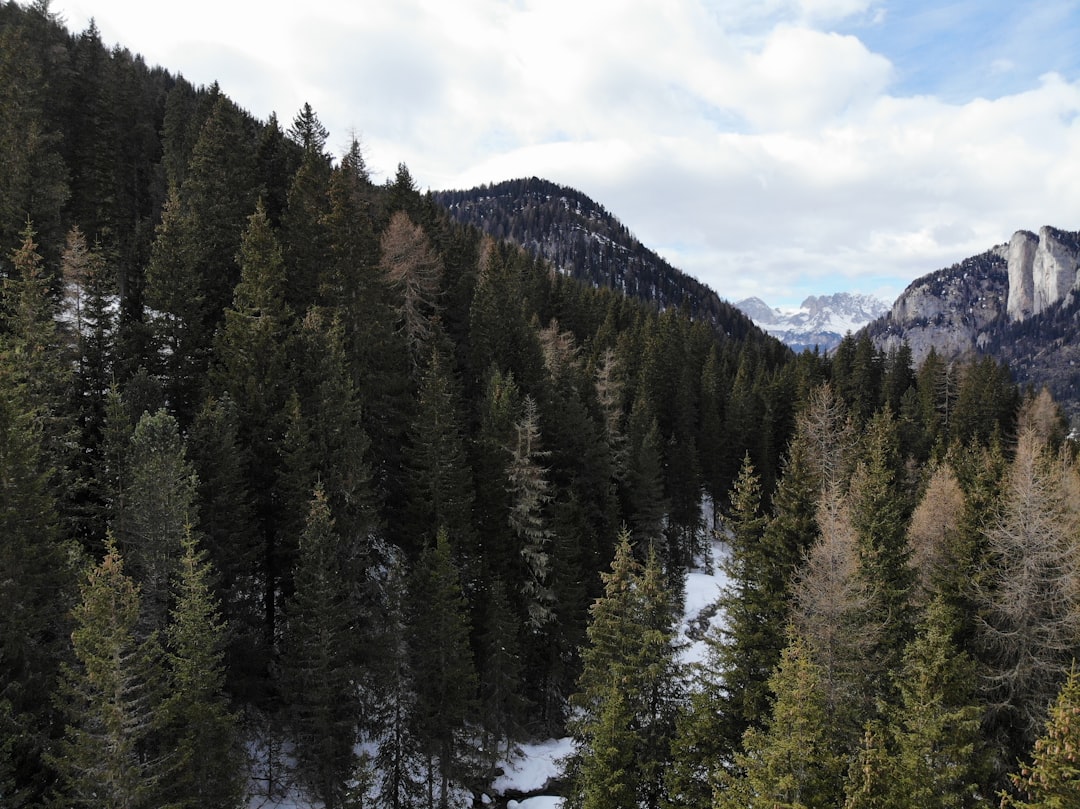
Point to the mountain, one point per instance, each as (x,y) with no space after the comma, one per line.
(1018,302)
(821,321)
(583,240)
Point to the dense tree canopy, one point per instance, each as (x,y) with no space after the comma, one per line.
(293,459)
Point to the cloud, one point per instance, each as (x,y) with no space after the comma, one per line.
(778,148)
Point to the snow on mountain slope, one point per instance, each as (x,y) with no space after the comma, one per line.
(821,321)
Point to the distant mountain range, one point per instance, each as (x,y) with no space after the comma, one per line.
(821,322)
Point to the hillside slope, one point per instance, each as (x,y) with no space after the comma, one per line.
(582,239)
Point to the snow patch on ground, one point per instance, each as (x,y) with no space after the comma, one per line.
(704,584)
(538,763)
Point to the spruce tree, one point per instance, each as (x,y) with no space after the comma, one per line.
(529,491)
(444,677)
(202,734)
(793,762)
(1052,778)
(320,661)
(158,509)
(631,650)
(113,694)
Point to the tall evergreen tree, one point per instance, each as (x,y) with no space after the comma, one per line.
(630,651)
(443,670)
(792,763)
(201,732)
(530,496)
(109,756)
(321,660)
(1052,779)
(158,509)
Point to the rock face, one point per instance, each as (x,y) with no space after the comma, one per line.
(950,310)
(1042,270)
(1018,303)
(1022,248)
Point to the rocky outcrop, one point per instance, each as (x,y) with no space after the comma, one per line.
(1021,257)
(1042,270)
(951,310)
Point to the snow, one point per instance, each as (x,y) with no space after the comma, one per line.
(704,583)
(541,802)
(538,763)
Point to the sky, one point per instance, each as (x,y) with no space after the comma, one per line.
(774,148)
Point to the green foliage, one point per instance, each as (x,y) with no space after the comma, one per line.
(793,762)
(444,676)
(112,696)
(629,688)
(1052,779)
(321,660)
(200,731)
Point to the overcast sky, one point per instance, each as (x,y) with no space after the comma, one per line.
(776,148)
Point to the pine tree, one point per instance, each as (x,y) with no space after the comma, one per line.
(202,734)
(109,756)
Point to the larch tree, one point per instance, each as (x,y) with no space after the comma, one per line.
(414,270)
(1032,613)
(831,612)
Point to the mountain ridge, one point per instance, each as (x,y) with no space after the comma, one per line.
(581,238)
(1018,302)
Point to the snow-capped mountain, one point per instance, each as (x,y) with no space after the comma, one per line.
(821,321)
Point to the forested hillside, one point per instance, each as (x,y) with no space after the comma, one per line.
(579,237)
(305,486)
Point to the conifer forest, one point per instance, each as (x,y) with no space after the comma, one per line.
(304,484)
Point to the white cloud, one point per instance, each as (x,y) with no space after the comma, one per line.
(750,143)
